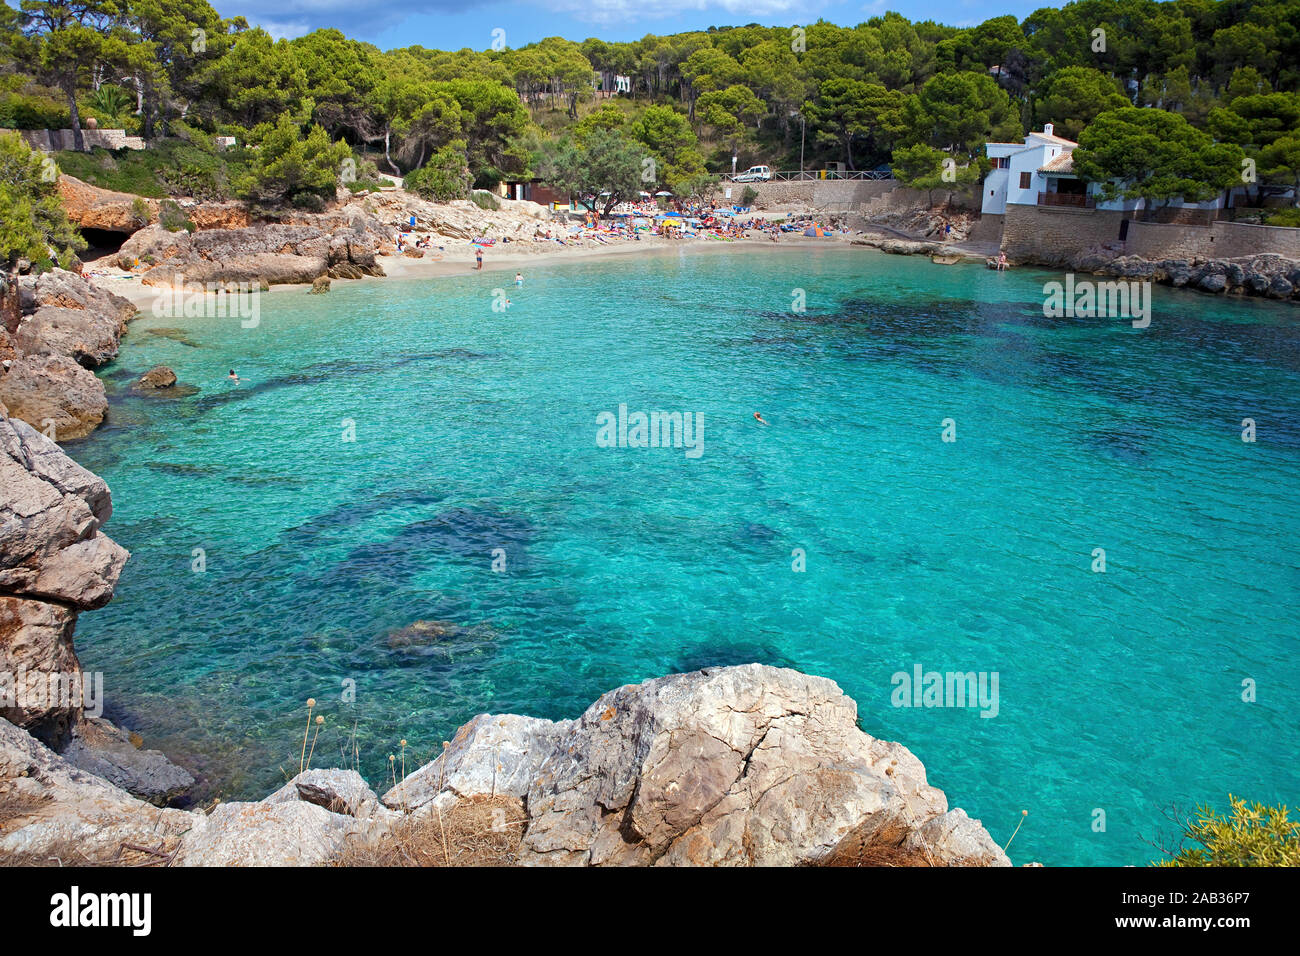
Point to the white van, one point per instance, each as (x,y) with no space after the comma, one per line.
(755,174)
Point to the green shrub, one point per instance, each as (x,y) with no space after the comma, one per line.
(26,105)
(172,218)
(287,167)
(1253,835)
(33,223)
(1283,217)
(444,177)
(485,200)
(748,195)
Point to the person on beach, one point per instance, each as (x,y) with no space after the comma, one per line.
(758,417)
(478,256)
(232,376)
(1002,261)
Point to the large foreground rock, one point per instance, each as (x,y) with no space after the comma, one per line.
(54,562)
(736,766)
(54,812)
(747,765)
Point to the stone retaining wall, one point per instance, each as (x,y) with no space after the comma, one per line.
(49,140)
(827,195)
(1055,234)
(1222,240)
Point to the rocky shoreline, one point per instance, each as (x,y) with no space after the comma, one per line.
(1270,276)
(55,328)
(730,766)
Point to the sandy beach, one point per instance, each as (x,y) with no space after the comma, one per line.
(458,259)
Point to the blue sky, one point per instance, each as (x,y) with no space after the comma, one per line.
(451,25)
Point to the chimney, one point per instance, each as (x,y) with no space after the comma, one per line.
(1047,129)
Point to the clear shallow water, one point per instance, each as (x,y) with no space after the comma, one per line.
(476,430)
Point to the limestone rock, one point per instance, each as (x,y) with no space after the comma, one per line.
(1213,282)
(99,747)
(64,326)
(954,839)
(36,642)
(54,393)
(265,834)
(90,207)
(320,286)
(1280,288)
(55,811)
(338,791)
(493,754)
(747,765)
(160,376)
(54,561)
(50,545)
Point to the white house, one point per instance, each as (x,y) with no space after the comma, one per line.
(1040,172)
(1036,172)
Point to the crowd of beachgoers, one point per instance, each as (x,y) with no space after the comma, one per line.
(635,222)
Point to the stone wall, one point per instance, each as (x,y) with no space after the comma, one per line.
(49,140)
(1222,240)
(987,228)
(1053,235)
(844,195)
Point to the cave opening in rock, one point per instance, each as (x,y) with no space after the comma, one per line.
(102,243)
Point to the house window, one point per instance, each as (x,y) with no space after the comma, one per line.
(1004,162)
(1025,180)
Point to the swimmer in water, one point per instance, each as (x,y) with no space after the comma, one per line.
(519,278)
(758,417)
(232,376)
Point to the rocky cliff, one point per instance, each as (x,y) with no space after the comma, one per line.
(58,326)
(733,766)
(55,562)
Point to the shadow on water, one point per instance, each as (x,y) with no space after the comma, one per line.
(329,371)
(728,655)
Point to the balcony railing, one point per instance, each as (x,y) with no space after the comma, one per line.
(1077,200)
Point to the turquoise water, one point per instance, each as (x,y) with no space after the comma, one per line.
(475,430)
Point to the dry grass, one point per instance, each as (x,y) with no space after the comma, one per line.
(157,853)
(478,831)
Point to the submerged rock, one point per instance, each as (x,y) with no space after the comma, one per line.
(160,376)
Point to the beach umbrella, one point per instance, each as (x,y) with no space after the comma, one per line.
(643,194)
(663,193)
